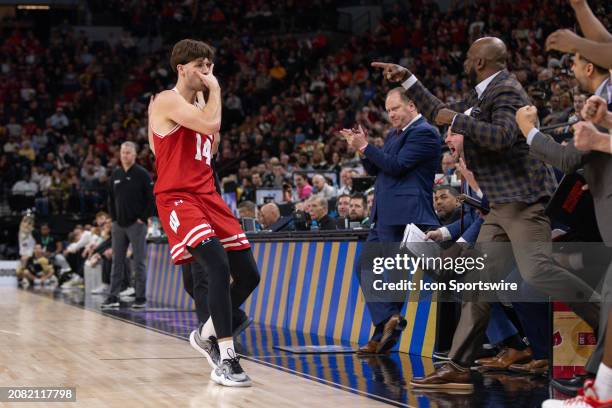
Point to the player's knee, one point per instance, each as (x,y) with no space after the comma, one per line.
(244,262)
(211,256)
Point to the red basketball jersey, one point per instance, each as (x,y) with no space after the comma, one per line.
(183,161)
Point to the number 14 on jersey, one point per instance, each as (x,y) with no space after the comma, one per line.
(205,150)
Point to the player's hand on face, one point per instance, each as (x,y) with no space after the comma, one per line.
(392,72)
(209,79)
(200,101)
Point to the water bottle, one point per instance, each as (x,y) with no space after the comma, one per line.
(314,225)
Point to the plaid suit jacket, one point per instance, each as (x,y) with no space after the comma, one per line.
(494,148)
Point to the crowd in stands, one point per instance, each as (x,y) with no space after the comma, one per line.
(66,102)
(46,260)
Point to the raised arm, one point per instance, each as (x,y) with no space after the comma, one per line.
(200,104)
(592,28)
(428,104)
(598,52)
(174,107)
(543,147)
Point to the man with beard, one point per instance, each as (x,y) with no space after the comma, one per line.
(517,186)
(597,172)
(357,210)
(591,78)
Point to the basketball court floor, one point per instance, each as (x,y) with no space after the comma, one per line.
(142,358)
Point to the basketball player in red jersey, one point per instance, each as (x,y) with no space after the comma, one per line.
(199,225)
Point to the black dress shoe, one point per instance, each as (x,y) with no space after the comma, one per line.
(570,386)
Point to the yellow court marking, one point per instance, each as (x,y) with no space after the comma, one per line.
(329,287)
(312,293)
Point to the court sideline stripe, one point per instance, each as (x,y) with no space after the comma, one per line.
(255,360)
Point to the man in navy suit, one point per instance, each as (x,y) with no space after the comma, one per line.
(405,169)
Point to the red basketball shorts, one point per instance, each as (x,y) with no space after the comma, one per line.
(189,219)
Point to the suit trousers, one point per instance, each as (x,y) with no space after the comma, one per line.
(381,311)
(606,308)
(527,228)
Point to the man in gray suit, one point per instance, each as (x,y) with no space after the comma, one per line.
(598,174)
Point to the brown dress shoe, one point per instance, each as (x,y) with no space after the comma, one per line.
(505,359)
(486,360)
(391,333)
(369,348)
(536,367)
(449,376)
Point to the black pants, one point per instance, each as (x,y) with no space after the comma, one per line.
(76,262)
(245,276)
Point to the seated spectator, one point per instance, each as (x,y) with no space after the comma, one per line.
(256,180)
(343,204)
(26,151)
(44,238)
(268,215)
(79,239)
(278,173)
(247,209)
(304,189)
(37,270)
(52,247)
(346,180)
(446,204)
(448,164)
(317,208)
(59,120)
(102,220)
(59,192)
(100,251)
(25,187)
(358,214)
(370,199)
(322,189)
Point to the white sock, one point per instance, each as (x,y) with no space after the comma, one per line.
(603,382)
(226,347)
(208,329)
